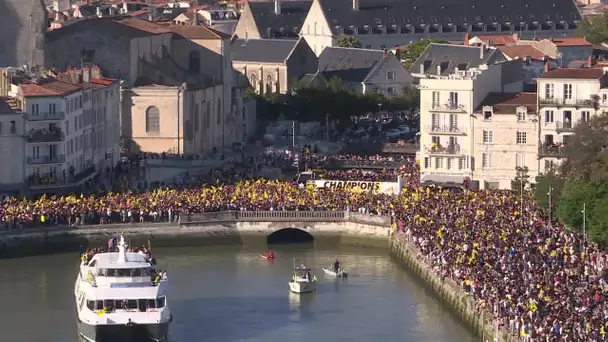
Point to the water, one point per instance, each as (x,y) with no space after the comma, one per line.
(228,293)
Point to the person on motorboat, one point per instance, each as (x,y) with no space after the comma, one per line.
(270,255)
(336,266)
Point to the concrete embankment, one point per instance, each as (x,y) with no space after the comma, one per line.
(346,231)
(447,291)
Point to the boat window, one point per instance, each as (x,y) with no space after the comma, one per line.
(142,304)
(109,305)
(99,305)
(151,304)
(123,272)
(102,272)
(111,272)
(145,272)
(132,304)
(91,305)
(137,272)
(160,302)
(93,263)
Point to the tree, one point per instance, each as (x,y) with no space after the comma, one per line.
(348,42)
(521,180)
(541,189)
(597,222)
(587,152)
(574,196)
(414,51)
(594,29)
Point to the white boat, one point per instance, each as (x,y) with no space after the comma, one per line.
(342,273)
(121,297)
(302,280)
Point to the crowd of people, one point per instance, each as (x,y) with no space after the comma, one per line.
(538,281)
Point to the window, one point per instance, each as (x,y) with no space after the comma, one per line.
(435,99)
(268,84)
(520,160)
(521,138)
(549,165)
(449,163)
(390,75)
(487,137)
(160,302)
(521,116)
(549,91)
(585,115)
(194,61)
(487,115)
(567,91)
(254,81)
(196,115)
(462,163)
(427,163)
(13,127)
(485,160)
(390,90)
(219,111)
(152,119)
(368,47)
(208,115)
(548,117)
(438,163)
(453,98)
(52,108)
(34,110)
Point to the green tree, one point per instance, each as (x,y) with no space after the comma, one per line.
(594,29)
(574,196)
(521,181)
(597,221)
(587,152)
(541,189)
(348,42)
(414,50)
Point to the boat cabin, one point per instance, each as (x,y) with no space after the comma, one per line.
(302,274)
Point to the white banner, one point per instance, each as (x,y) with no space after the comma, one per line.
(357,186)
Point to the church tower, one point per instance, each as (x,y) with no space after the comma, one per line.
(38,28)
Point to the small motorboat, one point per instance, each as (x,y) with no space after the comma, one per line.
(267,256)
(342,273)
(302,281)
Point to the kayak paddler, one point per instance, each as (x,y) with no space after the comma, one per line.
(270,255)
(336,266)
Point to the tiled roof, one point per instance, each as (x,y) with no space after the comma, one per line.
(521,51)
(507,103)
(416,13)
(290,20)
(351,65)
(449,57)
(499,39)
(8,105)
(570,41)
(125,26)
(48,87)
(582,74)
(103,81)
(197,32)
(262,50)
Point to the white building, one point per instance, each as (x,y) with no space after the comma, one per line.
(454,82)
(65,132)
(565,98)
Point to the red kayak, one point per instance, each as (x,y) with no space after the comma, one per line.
(266,256)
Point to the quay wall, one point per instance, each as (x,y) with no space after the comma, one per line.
(447,291)
(327,228)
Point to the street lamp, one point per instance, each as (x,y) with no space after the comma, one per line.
(379,107)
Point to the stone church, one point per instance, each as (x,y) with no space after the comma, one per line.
(23,26)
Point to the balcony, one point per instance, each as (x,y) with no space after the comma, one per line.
(566,103)
(46,160)
(43,116)
(564,126)
(60,180)
(446,129)
(551,151)
(45,135)
(448,107)
(446,151)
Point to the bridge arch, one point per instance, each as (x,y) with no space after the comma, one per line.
(289,235)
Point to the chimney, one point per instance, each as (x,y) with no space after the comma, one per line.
(56,5)
(516,37)
(125,8)
(86,74)
(355,5)
(439,70)
(546,66)
(112,11)
(195,18)
(385,52)
(57,15)
(591,61)
(422,68)
(482,49)
(467,37)
(99,12)
(277,7)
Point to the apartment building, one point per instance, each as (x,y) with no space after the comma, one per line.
(454,82)
(61,133)
(567,97)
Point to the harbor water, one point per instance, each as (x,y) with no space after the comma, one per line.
(229,293)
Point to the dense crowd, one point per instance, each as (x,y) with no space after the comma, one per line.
(538,281)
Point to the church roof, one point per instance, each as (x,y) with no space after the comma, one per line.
(16,37)
(350,65)
(262,50)
(416,14)
(290,20)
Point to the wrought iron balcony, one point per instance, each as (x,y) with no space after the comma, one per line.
(555,151)
(564,126)
(448,107)
(46,160)
(556,102)
(447,129)
(45,135)
(450,150)
(42,116)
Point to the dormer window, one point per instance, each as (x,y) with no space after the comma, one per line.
(433,19)
(488,111)
(522,112)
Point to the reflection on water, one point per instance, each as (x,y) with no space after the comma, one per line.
(229,293)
